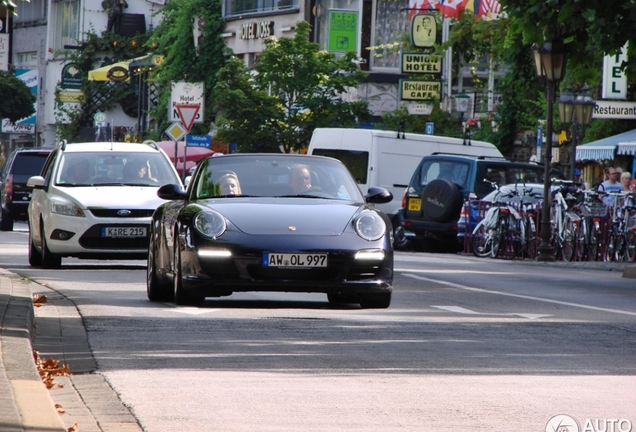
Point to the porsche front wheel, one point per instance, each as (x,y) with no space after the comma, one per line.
(181,297)
(157,290)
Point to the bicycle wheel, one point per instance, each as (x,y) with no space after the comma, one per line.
(630,247)
(567,242)
(593,245)
(481,242)
(620,248)
(497,239)
(579,241)
(610,248)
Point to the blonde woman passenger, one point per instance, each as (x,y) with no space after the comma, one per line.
(230,184)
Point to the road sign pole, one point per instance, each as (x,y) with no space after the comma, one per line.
(185,158)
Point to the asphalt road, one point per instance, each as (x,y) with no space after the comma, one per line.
(468,344)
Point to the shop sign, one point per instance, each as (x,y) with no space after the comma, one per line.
(417,63)
(411,90)
(423,30)
(343,31)
(257,30)
(71,97)
(71,77)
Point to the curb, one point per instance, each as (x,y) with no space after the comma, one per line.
(25,402)
(630,272)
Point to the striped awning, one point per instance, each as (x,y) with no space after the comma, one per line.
(598,153)
(626,148)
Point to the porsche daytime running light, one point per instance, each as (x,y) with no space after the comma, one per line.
(370,226)
(214,253)
(370,255)
(66,208)
(209,224)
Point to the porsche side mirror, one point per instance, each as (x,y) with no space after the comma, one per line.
(378,195)
(171,192)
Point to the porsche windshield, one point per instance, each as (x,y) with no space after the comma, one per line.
(274,176)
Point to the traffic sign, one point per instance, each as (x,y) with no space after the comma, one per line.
(100,119)
(199,141)
(176,131)
(187,114)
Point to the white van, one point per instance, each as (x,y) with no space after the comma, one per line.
(380,158)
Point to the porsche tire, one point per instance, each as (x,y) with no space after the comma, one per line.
(181,297)
(157,291)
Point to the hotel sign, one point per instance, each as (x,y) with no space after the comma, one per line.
(257,30)
(411,90)
(417,63)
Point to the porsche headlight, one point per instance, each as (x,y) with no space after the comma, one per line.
(370,226)
(66,208)
(209,224)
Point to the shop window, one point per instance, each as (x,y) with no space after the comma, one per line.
(391,23)
(241,7)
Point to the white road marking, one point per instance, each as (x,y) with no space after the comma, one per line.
(461,310)
(190,310)
(467,288)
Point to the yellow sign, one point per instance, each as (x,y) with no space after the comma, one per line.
(420,90)
(176,131)
(421,63)
(71,97)
(423,30)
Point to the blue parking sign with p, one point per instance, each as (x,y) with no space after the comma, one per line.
(430,128)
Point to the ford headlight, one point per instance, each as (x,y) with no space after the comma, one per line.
(370,226)
(209,224)
(66,208)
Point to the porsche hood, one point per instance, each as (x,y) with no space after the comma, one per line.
(308,217)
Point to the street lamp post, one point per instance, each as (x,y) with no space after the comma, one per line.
(461,104)
(576,110)
(550,60)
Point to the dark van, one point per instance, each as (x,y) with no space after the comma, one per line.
(14,194)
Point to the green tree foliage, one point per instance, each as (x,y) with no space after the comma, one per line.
(293,89)
(173,39)
(16,101)
(587,27)
(590,30)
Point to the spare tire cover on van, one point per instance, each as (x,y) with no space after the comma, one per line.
(441,201)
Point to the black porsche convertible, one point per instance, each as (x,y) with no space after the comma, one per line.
(271,222)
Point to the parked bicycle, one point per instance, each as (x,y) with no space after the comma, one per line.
(592,211)
(565,222)
(507,225)
(621,243)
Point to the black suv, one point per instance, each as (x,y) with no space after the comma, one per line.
(440,185)
(14,194)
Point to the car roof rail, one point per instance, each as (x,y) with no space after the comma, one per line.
(151,143)
(491,157)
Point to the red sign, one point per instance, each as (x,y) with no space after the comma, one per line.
(187,114)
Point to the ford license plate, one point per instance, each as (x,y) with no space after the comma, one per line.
(294,260)
(124,232)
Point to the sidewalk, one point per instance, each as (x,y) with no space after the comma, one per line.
(26,404)
(58,333)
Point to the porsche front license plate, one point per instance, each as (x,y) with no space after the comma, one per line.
(299,260)
(124,232)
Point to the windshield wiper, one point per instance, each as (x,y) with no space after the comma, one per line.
(301,196)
